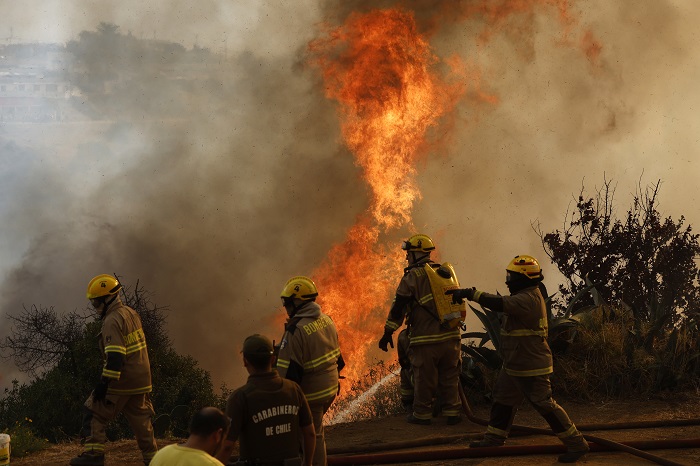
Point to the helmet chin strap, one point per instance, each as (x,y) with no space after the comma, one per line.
(414,256)
(105,304)
(294,307)
(520,282)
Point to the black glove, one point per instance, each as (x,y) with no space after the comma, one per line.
(100,391)
(385,341)
(459,295)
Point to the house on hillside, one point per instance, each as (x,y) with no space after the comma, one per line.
(33,87)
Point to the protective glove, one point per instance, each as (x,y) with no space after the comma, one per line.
(458,295)
(385,341)
(100,391)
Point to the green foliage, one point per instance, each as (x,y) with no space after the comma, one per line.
(23,440)
(54,399)
(178,382)
(481,354)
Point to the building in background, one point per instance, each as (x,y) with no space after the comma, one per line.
(33,84)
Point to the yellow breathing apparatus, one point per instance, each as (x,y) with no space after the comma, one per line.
(450,314)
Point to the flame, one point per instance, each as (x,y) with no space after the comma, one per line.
(388,97)
(381,72)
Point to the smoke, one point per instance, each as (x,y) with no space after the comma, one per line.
(212,211)
(565,116)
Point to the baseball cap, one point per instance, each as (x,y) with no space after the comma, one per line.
(257,344)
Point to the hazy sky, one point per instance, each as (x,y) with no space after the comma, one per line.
(214,216)
(218,24)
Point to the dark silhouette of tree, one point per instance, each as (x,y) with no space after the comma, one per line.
(643,261)
(40,339)
(121,74)
(107,29)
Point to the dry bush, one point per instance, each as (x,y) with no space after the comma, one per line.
(610,358)
(376,394)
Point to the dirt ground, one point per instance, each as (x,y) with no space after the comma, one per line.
(367,437)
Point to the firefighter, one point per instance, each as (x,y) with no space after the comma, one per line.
(125,382)
(268,414)
(527,358)
(434,348)
(309,353)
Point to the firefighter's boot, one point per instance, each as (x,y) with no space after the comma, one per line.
(489,440)
(411,419)
(88,458)
(499,426)
(576,448)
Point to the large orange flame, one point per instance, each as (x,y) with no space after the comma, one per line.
(379,69)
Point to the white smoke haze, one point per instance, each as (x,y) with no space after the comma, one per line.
(212,212)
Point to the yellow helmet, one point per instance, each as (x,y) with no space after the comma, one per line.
(418,242)
(525,265)
(103,285)
(299,287)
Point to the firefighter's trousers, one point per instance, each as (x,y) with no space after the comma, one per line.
(138,411)
(436,372)
(318,409)
(406,374)
(508,394)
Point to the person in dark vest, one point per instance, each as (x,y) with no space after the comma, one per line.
(527,358)
(270,416)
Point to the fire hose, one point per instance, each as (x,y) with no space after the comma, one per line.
(598,444)
(465,452)
(534,430)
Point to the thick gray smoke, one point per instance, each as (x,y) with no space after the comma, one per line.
(213,210)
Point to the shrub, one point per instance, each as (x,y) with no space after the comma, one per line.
(23,440)
(608,358)
(643,261)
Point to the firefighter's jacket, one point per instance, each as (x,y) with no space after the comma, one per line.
(309,353)
(524,346)
(414,301)
(122,340)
